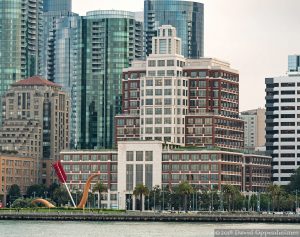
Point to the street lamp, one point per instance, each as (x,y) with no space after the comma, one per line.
(296,202)
(249,198)
(163,192)
(118,197)
(212,201)
(76,196)
(258,202)
(221,201)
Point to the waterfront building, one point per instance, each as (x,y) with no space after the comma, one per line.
(111,41)
(255,128)
(36,123)
(186,16)
(16,169)
(282,123)
(155,163)
(80,164)
(179,121)
(189,102)
(21,27)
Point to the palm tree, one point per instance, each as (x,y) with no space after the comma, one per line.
(231,192)
(100,188)
(184,188)
(275,191)
(140,190)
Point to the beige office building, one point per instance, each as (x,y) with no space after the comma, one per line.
(36,123)
(16,170)
(254,128)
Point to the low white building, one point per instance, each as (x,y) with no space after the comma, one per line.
(139,162)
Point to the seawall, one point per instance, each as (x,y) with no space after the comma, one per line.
(136,217)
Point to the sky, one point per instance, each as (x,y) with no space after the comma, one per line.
(254,36)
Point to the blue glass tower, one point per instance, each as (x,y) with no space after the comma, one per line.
(294,63)
(187,17)
(53,11)
(57,5)
(61,52)
(111,41)
(20,34)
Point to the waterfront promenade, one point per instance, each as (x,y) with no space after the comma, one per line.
(151,217)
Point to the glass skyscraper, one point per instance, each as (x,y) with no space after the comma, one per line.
(111,40)
(53,10)
(57,5)
(10,42)
(186,16)
(20,40)
(294,63)
(61,49)
(67,64)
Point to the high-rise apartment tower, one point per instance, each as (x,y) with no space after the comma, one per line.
(186,16)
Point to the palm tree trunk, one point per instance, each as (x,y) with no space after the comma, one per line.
(98,200)
(141,202)
(185,202)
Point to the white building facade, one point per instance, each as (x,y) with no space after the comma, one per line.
(282,125)
(164,90)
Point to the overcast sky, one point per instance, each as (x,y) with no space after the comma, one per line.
(255,36)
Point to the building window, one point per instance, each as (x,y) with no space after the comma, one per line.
(149,155)
(167,111)
(161,63)
(170,63)
(158,101)
(158,130)
(149,176)
(194,74)
(158,120)
(139,175)
(149,111)
(129,155)
(149,92)
(158,111)
(158,82)
(167,120)
(205,157)
(149,101)
(167,101)
(139,156)
(168,91)
(151,73)
(168,82)
(129,177)
(149,82)
(158,91)
(151,63)
(162,46)
(149,120)
(202,74)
